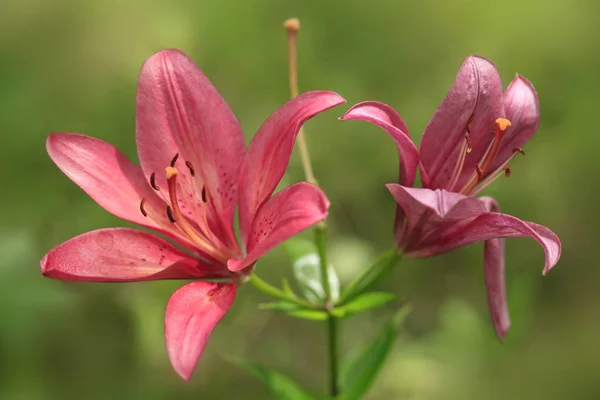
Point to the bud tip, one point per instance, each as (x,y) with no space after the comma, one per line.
(292,24)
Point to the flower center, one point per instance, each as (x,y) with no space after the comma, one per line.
(482,176)
(183,191)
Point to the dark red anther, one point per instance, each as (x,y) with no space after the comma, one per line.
(174,160)
(203,194)
(507,172)
(170,214)
(191,168)
(144,213)
(518,150)
(153,181)
(469,147)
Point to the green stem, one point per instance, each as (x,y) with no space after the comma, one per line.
(332,335)
(371,276)
(320,241)
(272,291)
(333,355)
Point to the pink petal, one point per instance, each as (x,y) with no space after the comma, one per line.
(123,255)
(269,152)
(494,268)
(192,313)
(496,286)
(434,208)
(493,225)
(431,212)
(108,177)
(180,112)
(115,183)
(477,93)
(523,110)
(289,212)
(390,121)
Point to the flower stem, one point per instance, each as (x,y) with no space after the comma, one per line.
(332,334)
(292,25)
(321,242)
(333,355)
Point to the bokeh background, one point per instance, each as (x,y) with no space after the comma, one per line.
(71,65)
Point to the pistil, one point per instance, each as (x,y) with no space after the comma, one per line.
(481,169)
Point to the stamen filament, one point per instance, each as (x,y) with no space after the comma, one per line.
(175,215)
(460,163)
(502,124)
(502,170)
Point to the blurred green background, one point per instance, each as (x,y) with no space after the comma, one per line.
(72,65)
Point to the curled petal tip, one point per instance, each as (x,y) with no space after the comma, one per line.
(501,333)
(44,265)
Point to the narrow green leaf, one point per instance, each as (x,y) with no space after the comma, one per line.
(364,302)
(287,289)
(370,276)
(307,271)
(315,315)
(282,386)
(294,310)
(280,306)
(361,373)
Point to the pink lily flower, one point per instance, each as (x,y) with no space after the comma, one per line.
(195,170)
(473,135)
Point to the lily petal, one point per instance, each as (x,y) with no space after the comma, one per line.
(269,152)
(192,313)
(438,206)
(475,99)
(523,110)
(114,182)
(289,212)
(495,285)
(390,121)
(491,226)
(494,273)
(178,111)
(123,255)
(108,177)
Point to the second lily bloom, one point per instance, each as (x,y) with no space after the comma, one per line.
(467,144)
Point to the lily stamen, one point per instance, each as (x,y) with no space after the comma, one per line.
(502,125)
(176,216)
(191,168)
(153,182)
(144,213)
(502,170)
(466,149)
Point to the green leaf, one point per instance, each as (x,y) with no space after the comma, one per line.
(307,271)
(287,289)
(294,310)
(364,302)
(363,369)
(371,276)
(282,386)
